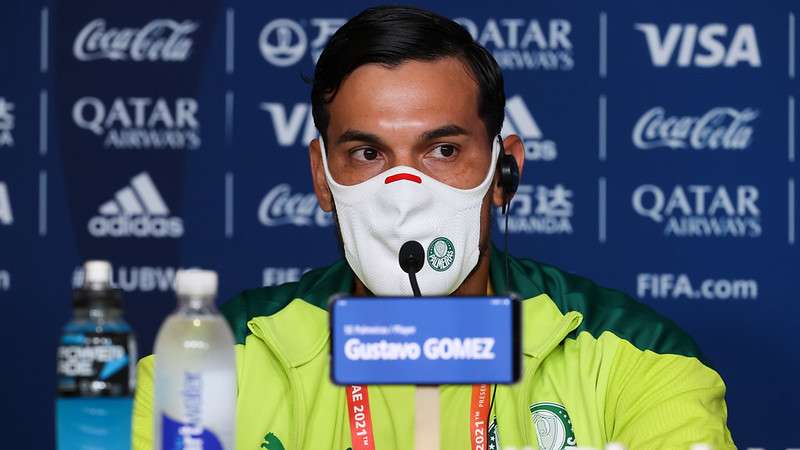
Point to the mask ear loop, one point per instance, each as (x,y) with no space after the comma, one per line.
(324,153)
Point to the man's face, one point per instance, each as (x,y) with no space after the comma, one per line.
(418,114)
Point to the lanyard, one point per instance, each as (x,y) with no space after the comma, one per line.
(479,415)
(361,419)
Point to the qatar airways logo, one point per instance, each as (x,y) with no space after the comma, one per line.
(283,207)
(525,44)
(284,42)
(701,210)
(160,40)
(140,122)
(723,128)
(540,210)
(702,46)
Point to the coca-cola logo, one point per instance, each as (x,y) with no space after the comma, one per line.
(163,40)
(720,128)
(282,207)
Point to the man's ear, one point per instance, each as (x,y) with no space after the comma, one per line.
(514,147)
(318,177)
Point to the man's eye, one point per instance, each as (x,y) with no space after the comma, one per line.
(365,154)
(444,151)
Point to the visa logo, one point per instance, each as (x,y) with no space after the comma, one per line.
(702,46)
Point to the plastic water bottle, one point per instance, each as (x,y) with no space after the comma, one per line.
(95,367)
(195,371)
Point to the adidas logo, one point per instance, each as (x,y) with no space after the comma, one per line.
(137,210)
(520,121)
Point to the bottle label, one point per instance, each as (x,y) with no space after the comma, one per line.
(93,423)
(176,435)
(94,364)
(189,434)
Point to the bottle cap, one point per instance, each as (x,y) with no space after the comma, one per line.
(196,283)
(96,290)
(96,272)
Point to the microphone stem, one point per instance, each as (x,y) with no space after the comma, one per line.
(414,286)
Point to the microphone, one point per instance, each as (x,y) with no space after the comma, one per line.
(412,258)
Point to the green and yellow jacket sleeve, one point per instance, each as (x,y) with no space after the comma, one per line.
(664,401)
(142,420)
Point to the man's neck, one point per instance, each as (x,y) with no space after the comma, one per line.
(474,285)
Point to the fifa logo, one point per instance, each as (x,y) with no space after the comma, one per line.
(283,42)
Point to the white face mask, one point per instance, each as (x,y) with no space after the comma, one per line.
(377,216)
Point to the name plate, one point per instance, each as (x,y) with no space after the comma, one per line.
(425,340)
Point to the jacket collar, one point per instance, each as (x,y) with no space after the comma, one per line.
(544,325)
(300,331)
(297,333)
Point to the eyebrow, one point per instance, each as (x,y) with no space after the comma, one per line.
(361,136)
(444,131)
(437,133)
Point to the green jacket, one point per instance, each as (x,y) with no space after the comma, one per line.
(598,367)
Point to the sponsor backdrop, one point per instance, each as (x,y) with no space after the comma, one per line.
(660,146)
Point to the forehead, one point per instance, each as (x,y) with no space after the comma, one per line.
(415,93)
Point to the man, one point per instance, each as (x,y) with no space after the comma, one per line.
(408,107)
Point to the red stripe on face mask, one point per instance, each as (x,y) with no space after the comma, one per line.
(403,176)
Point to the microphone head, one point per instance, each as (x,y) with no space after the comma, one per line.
(411,257)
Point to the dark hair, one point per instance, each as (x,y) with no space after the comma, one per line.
(392,35)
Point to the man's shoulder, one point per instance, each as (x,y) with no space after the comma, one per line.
(315,287)
(603,309)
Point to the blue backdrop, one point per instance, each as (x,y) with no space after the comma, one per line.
(660,142)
